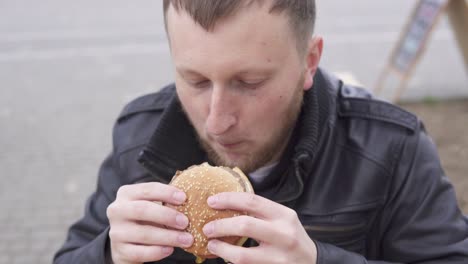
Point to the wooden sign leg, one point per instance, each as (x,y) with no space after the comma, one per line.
(458,14)
(380,81)
(400,89)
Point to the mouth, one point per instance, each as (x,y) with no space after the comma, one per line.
(229,145)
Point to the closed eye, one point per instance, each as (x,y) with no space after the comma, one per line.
(252,84)
(199,84)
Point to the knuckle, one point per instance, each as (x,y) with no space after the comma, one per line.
(156,185)
(143,237)
(123,252)
(173,240)
(117,233)
(146,189)
(291,240)
(252,201)
(244,225)
(293,243)
(164,216)
(139,210)
(170,217)
(168,239)
(122,191)
(291,216)
(111,210)
(113,234)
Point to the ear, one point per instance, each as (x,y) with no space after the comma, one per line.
(312,59)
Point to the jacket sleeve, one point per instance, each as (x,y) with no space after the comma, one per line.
(421,221)
(87,238)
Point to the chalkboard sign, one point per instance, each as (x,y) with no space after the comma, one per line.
(414,38)
(417,32)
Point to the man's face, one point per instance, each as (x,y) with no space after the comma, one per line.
(241,85)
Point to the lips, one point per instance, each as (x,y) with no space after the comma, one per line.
(225,143)
(230,145)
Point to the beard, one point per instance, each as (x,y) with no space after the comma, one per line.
(272,150)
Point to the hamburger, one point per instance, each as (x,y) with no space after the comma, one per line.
(200,182)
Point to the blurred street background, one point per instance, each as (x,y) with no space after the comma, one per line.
(68,67)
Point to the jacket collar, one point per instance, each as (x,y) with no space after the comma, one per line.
(173,145)
(286,182)
(318,114)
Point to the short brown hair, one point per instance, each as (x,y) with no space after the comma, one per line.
(207,13)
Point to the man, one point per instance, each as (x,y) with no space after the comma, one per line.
(339,177)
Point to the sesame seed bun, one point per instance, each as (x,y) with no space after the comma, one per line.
(200,182)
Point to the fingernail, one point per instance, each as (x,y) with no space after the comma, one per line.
(181,220)
(185,239)
(212,200)
(167,250)
(179,197)
(208,229)
(212,244)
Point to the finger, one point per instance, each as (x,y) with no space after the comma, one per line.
(152,191)
(142,253)
(150,235)
(235,254)
(147,212)
(247,202)
(243,226)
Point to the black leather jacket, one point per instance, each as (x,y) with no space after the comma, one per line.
(362,175)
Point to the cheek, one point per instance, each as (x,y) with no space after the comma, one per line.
(194,107)
(266,113)
(275,104)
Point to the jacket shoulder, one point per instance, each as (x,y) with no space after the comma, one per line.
(154,102)
(139,119)
(355,102)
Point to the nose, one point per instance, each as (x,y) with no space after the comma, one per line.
(221,113)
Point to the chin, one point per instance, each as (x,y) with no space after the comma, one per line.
(221,157)
(231,160)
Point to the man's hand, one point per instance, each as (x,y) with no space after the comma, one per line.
(138,219)
(276,228)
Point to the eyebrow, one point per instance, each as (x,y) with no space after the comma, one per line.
(184,70)
(263,71)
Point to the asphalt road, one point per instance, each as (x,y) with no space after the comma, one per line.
(68,67)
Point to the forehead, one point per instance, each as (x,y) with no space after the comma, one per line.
(252,32)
